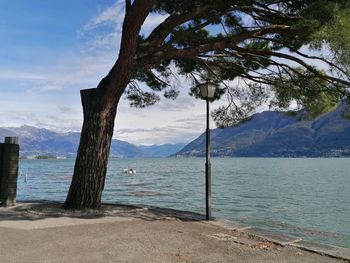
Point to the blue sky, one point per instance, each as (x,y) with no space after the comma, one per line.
(49,50)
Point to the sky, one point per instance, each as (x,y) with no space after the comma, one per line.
(50,50)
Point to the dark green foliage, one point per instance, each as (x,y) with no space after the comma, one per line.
(243,102)
(259,44)
(336,35)
(312,94)
(139,98)
(346,115)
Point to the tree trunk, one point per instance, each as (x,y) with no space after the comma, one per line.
(92,157)
(100,107)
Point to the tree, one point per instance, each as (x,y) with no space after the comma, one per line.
(259,42)
(336,36)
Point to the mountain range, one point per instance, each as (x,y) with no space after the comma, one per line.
(39,141)
(278,134)
(266,134)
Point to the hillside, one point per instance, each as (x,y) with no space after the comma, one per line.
(163,150)
(274,134)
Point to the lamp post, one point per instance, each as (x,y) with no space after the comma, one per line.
(207,91)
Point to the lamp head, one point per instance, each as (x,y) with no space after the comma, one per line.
(207,90)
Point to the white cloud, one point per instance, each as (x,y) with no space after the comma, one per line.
(111,15)
(20,75)
(151,22)
(50,97)
(111,20)
(114,16)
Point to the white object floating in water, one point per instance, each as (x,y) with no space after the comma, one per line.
(129,171)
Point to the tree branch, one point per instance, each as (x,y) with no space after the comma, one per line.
(120,74)
(215,45)
(159,34)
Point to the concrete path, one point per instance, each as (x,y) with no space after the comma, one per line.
(43,232)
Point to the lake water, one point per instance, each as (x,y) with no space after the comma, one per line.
(304,197)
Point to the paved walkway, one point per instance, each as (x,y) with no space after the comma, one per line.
(43,232)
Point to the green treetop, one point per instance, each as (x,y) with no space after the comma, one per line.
(263,44)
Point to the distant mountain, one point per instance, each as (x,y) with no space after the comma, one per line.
(37,141)
(272,134)
(163,150)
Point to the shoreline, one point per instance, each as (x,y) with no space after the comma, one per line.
(46,215)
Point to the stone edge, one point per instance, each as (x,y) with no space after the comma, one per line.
(285,240)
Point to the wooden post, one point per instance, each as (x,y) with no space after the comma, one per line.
(1,170)
(9,158)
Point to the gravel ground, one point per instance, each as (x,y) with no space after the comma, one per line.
(43,232)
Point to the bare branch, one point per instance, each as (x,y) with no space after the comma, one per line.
(290,58)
